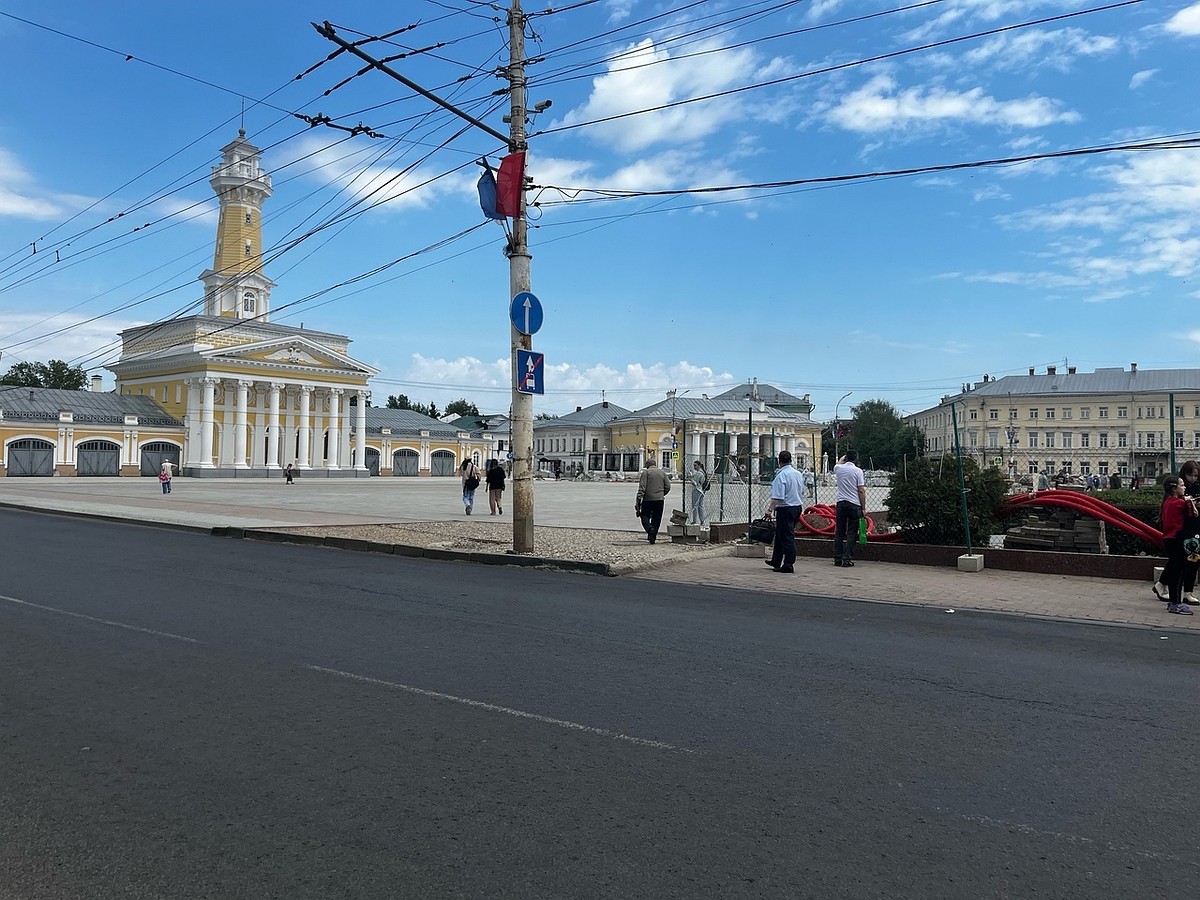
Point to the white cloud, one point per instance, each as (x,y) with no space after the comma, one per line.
(20,196)
(376,183)
(644,77)
(879,106)
(1147,222)
(1037,49)
(81,339)
(570,384)
(619,10)
(1186,22)
(1140,78)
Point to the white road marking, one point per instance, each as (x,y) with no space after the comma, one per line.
(109,622)
(491,707)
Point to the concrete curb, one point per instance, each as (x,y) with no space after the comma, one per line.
(413,552)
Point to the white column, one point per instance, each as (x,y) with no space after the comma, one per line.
(694,445)
(192,421)
(335,433)
(316,451)
(305,435)
(208,389)
(272,460)
(360,430)
(240,424)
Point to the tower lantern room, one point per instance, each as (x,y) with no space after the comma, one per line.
(235,286)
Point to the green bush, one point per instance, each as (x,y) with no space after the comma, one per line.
(925,501)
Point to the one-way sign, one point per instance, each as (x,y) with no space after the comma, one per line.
(530,371)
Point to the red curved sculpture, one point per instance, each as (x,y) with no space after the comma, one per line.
(821,518)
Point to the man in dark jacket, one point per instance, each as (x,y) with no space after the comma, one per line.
(653,487)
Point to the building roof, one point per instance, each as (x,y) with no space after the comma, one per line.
(767,393)
(407,421)
(597,415)
(44,405)
(497,422)
(1102,381)
(681,408)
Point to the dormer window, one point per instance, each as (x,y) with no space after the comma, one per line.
(248,301)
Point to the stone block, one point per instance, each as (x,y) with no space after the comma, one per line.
(970,562)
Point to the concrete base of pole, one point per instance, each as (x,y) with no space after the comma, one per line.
(970,562)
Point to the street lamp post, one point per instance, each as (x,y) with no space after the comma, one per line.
(836,426)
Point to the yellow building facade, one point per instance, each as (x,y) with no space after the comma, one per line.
(228,393)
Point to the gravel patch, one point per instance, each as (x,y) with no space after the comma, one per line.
(622,551)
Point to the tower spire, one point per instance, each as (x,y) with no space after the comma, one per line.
(235,286)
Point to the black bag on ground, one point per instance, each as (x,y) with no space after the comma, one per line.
(762,531)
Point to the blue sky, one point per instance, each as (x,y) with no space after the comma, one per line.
(893,287)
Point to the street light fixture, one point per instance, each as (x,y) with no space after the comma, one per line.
(836,426)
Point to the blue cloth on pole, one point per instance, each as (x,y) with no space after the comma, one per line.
(487,194)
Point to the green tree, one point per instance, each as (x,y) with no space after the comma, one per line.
(880,436)
(54,374)
(398,402)
(926,500)
(462,407)
(402,402)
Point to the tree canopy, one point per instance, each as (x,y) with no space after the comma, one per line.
(402,402)
(462,407)
(880,436)
(54,374)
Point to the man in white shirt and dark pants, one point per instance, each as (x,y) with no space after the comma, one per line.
(787,501)
(851,505)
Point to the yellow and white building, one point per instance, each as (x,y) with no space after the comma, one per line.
(228,393)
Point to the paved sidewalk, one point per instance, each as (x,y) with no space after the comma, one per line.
(261,503)
(1098,600)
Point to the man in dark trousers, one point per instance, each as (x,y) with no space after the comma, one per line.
(787,501)
(653,487)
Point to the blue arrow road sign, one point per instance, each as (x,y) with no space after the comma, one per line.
(526,313)
(530,372)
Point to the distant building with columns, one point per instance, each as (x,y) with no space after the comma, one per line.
(228,393)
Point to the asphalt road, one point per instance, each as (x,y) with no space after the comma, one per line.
(187,716)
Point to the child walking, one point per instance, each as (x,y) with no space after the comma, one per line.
(1176,510)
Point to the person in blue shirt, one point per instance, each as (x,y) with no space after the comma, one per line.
(787,501)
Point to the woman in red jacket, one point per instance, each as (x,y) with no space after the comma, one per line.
(1176,511)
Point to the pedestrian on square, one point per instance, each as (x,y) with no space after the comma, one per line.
(1177,509)
(495,484)
(470,481)
(1189,472)
(787,501)
(165,474)
(699,486)
(851,504)
(653,487)
(289,474)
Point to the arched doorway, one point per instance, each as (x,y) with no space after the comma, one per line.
(30,457)
(441,463)
(372,461)
(155,454)
(405,462)
(97,458)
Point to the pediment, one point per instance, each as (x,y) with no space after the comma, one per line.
(289,352)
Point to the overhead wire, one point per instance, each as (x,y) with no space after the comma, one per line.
(834,68)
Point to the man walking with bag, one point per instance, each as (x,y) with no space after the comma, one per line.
(787,501)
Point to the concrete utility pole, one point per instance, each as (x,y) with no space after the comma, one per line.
(518,281)
(521,418)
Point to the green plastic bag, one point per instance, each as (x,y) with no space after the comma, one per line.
(862,530)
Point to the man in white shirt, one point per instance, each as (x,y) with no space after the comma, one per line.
(851,504)
(787,500)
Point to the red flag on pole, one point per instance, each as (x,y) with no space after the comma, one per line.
(510,182)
